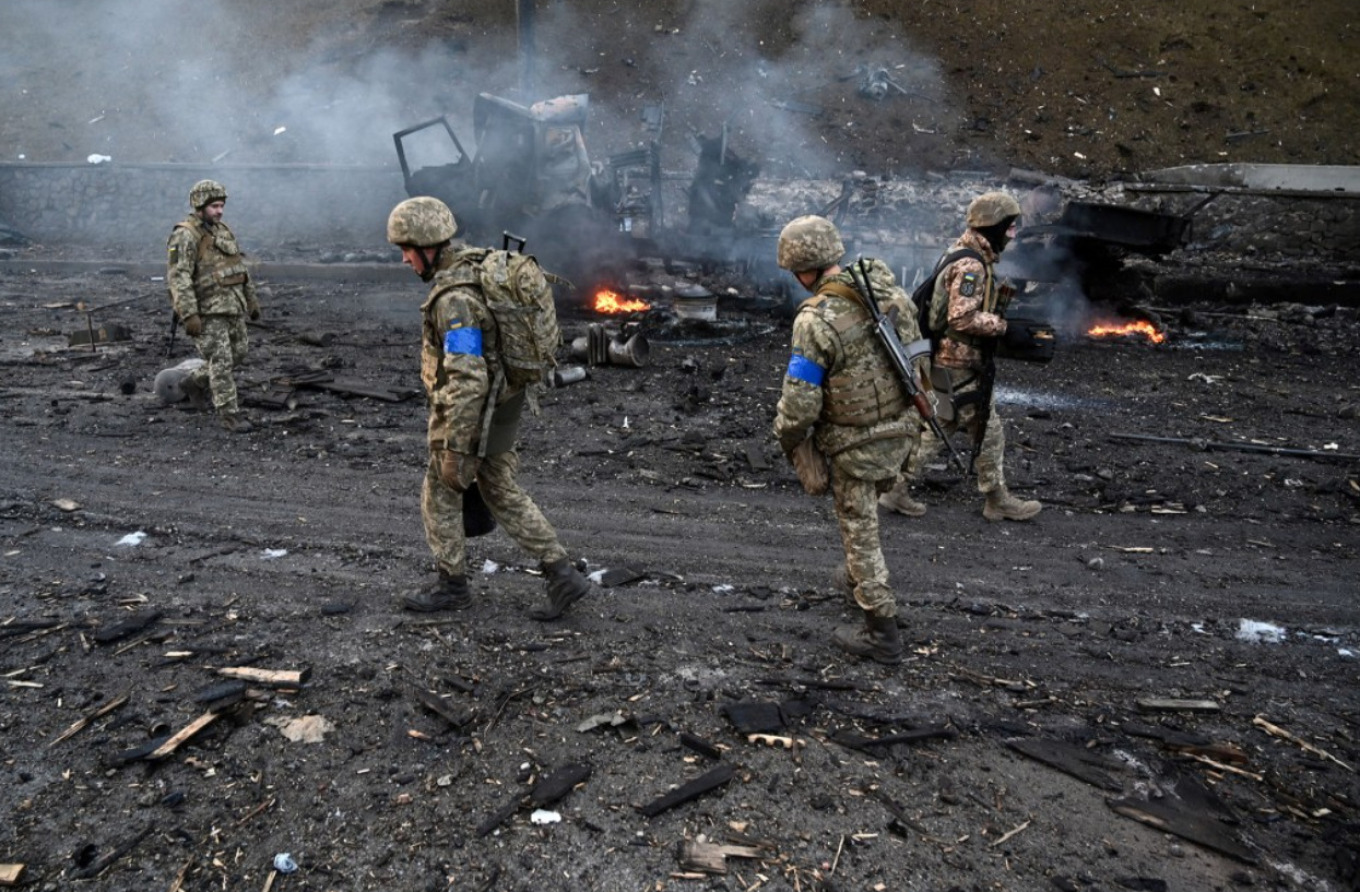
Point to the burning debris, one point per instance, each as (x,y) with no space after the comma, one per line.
(1138,329)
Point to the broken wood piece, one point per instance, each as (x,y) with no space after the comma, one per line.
(174,741)
(787,743)
(1170,815)
(873,745)
(10,874)
(80,724)
(99,865)
(690,791)
(500,816)
(708,857)
(439,706)
(699,745)
(134,623)
(1261,722)
(559,783)
(275,677)
(1009,833)
(1071,759)
(1158,704)
(1224,767)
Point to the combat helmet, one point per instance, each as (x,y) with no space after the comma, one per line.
(990,208)
(205,192)
(422,221)
(810,242)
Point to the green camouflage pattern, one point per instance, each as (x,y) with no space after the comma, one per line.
(223,345)
(421,221)
(836,333)
(872,452)
(809,242)
(856,503)
(991,208)
(205,192)
(206,271)
(990,466)
(441,510)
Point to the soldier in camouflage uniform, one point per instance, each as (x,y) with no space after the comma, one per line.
(473,423)
(977,306)
(212,292)
(842,390)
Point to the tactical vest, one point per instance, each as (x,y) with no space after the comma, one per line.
(220,265)
(995,299)
(865,390)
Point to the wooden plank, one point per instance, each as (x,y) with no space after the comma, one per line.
(10,874)
(699,745)
(1071,759)
(182,735)
(275,677)
(102,711)
(690,791)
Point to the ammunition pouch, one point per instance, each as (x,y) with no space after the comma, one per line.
(1027,340)
(862,399)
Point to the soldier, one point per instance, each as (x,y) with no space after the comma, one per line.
(842,391)
(964,366)
(474,417)
(212,291)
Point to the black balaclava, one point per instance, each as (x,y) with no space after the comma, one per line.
(996,234)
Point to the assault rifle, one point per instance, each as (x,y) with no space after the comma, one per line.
(886,328)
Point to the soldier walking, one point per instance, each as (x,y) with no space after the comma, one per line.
(474,413)
(211,291)
(969,307)
(842,391)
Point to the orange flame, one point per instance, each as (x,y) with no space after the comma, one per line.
(612,302)
(1140,327)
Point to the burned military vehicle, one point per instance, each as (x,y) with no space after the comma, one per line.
(530,175)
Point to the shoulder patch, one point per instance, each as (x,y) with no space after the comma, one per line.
(968,284)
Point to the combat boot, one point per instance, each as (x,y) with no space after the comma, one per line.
(449,592)
(236,423)
(566,586)
(876,640)
(1001,505)
(900,500)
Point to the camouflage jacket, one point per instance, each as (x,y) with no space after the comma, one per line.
(840,383)
(976,304)
(458,361)
(206,271)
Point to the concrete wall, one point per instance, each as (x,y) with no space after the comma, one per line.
(134,206)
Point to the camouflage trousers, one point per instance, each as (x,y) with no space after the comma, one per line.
(856,502)
(442,511)
(991,473)
(222,344)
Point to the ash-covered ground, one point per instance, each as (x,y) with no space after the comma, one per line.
(144,549)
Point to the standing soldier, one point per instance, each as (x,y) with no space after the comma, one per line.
(842,391)
(474,414)
(211,291)
(969,308)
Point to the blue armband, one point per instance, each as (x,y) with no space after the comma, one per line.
(465,341)
(803,369)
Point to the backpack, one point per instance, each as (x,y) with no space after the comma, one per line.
(933,315)
(519,295)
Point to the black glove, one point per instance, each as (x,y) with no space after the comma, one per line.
(253,308)
(193,326)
